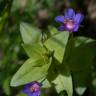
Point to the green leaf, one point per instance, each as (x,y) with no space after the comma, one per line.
(64,83)
(80,90)
(34,50)
(46,84)
(29,33)
(57,43)
(53,30)
(34,69)
(80,59)
(81,55)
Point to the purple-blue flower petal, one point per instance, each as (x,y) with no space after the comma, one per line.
(78,18)
(59,19)
(26,88)
(61,28)
(76,28)
(37,93)
(70,20)
(69,13)
(29,94)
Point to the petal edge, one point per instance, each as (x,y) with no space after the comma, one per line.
(79,18)
(76,28)
(69,13)
(61,28)
(59,19)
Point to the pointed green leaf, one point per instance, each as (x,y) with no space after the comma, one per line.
(29,33)
(34,69)
(34,50)
(64,83)
(57,43)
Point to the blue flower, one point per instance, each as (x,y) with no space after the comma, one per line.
(70,21)
(32,89)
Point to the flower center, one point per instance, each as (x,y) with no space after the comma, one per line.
(69,24)
(34,88)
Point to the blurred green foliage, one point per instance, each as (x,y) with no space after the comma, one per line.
(41,13)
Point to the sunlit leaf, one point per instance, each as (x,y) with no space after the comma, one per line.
(29,33)
(32,70)
(57,43)
(34,49)
(64,83)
